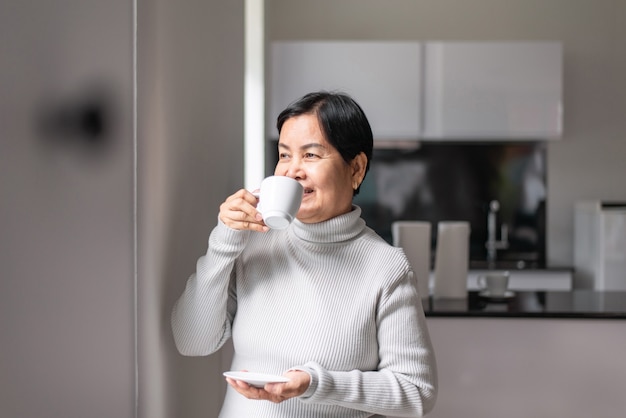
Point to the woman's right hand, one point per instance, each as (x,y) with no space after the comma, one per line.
(239,212)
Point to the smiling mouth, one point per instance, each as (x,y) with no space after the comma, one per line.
(308,191)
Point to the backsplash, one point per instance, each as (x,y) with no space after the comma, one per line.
(457,181)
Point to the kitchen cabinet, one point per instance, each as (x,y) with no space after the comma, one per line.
(493,356)
(492,90)
(429,91)
(383,77)
(529,367)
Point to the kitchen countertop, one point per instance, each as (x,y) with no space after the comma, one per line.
(533,304)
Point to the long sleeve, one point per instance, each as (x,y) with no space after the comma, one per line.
(405,381)
(202,317)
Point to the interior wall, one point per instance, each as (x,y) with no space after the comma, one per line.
(66,210)
(67,265)
(190,148)
(587,162)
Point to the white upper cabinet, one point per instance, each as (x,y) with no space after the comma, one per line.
(492,90)
(383,77)
(429,91)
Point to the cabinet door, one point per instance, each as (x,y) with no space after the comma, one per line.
(493,90)
(383,77)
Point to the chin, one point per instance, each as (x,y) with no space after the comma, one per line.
(307,216)
(303,216)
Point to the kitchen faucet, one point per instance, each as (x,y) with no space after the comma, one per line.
(492,244)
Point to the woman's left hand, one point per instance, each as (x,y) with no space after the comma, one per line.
(275,392)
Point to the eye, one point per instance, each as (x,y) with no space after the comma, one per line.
(283,156)
(310,155)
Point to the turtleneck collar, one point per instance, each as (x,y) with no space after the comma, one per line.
(340,228)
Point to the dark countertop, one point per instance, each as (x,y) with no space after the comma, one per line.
(533,304)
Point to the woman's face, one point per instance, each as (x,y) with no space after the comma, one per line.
(305,155)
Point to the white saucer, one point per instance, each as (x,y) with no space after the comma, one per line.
(257,380)
(486,294)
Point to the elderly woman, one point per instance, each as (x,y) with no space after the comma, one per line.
(326,302)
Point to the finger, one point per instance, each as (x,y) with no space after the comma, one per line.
(239,199)
(298,383)
(238,209)
(280,391)
(250,392)
(245,222)
(239,212)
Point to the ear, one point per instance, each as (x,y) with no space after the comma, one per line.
(358,165)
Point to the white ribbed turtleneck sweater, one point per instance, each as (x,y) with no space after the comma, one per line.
(331,298)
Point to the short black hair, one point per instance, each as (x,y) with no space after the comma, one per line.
(342,120)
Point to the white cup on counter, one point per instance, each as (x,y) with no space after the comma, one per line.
(494,284)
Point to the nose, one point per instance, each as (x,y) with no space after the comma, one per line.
(295,169)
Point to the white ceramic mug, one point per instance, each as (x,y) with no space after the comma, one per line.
(279,200)
(495,283)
